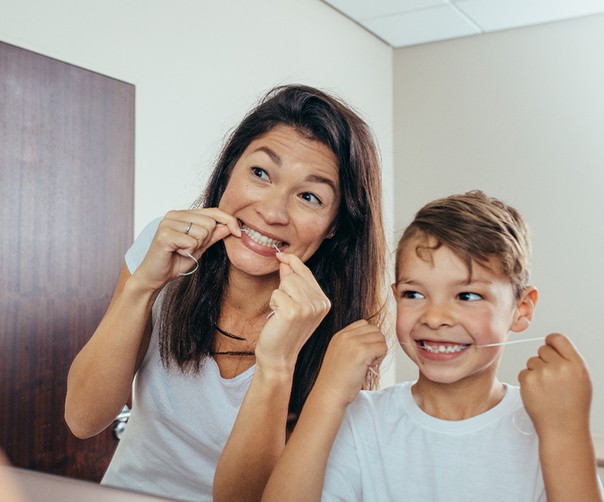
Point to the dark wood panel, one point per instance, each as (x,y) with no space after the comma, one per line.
(66,192)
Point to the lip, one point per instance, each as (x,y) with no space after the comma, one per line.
(261,241)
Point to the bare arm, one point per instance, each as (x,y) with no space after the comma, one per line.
(100,377)
(557,390)
(258,436)
(300,471)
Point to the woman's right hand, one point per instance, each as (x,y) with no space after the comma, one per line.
(167,256)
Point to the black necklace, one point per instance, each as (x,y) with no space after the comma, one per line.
(226,333)
(232,352)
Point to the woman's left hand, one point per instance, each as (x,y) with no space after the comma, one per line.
(299,305)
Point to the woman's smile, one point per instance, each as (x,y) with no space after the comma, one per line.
(284,191)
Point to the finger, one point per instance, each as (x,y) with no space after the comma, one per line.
(300,291)
(548,354)
(356,324)
(299,268)
(284,270)
(219,216)
(563,346)
(201,223)
(534,363)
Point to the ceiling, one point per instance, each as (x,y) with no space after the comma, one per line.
(401,23)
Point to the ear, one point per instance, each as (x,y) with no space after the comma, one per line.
(525,308)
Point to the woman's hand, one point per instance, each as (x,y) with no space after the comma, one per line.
(556,388)
(181,232)
(353,351)
(299,305)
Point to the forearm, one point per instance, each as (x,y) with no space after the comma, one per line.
(257,438)
(300,471)
(569,466)
(100,378)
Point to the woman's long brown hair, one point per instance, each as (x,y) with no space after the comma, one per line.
(349,267)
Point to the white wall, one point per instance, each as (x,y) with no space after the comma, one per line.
(519,114)
(198,66)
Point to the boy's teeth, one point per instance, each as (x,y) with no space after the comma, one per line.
(443,349)
(259,238)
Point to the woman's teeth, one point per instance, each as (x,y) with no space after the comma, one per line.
(443,349)
(259,238)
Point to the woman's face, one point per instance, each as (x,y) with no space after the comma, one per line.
(284,191)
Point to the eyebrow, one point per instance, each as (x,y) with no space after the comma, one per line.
(314,178)
(321,179)
(271,153)
(411,282)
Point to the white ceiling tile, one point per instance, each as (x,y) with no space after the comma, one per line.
(495,15)
(367,9)
(422,26)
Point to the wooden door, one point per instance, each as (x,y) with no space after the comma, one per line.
(66,199)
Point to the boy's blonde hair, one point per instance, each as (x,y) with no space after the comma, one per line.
(475,227)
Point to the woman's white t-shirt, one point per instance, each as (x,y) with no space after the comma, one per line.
(179,422)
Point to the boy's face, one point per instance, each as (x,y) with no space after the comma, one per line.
(443,314)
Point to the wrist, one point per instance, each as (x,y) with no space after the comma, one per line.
(136,290)
(278,373)
(562,438)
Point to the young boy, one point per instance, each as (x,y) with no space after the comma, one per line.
(457,433)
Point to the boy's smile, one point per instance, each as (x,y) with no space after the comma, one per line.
(443,313)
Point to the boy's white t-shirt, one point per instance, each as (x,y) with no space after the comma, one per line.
(387,449)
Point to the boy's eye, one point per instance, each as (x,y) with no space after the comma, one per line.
(311,197)
(469,297)
(412,295)
(260,173)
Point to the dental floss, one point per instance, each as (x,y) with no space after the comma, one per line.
(196,263)
(509,342)
(275,246)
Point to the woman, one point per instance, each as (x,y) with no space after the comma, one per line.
(290,225)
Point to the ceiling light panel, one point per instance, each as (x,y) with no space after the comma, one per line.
(360,10)
(422,26)
(503,14)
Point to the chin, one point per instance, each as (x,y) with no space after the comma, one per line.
(252,264)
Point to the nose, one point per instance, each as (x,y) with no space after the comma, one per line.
(436,315)
(274,208)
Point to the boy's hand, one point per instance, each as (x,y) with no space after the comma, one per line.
(556,388)
(352,352)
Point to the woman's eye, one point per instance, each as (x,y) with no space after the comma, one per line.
(412,295)
(469,297)
(260,173)
(311,197)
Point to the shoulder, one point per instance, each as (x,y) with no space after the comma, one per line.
(138,250)
(376,404)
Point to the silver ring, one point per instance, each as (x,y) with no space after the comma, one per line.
(188,228)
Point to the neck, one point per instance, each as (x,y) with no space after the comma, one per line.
(246,304)
(459,400)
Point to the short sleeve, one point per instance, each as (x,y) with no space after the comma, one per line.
(343,474)
(137,252)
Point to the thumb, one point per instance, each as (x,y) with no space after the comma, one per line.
(284,270)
